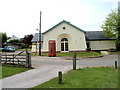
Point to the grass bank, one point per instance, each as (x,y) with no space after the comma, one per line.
(9,70)
(100,77)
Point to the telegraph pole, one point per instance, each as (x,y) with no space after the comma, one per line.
(40,35)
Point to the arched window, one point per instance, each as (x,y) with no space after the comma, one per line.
(64,44)
(64,39)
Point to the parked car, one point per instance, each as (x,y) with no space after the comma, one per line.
(8,49)
(1,49)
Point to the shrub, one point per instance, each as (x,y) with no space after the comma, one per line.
(24,45)
(88,49)
(112,50)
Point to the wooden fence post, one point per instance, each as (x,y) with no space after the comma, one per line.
(13,58)
(6,58)
(28,59)
(60,77)
(74,60)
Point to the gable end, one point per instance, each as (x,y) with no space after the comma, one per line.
(61,23)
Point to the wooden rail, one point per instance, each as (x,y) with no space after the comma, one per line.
(16,58)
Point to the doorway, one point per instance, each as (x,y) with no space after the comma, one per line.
(64,44)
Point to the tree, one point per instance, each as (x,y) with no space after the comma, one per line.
(3,38)
(15,41)
(111,26)
(27,39)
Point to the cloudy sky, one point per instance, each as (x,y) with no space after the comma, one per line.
(21,17)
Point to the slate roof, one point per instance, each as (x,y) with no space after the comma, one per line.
(36,37)
(90,35)
(97,35)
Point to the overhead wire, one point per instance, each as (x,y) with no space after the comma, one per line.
(92,24)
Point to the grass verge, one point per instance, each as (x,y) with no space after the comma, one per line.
(22,49)
(69,54)
(100,77)
(9,71)
(113,52)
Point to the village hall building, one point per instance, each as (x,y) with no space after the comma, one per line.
(69,38)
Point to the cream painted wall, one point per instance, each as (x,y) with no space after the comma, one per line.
(36,46)
(102,45)
(33,48)
(75,37)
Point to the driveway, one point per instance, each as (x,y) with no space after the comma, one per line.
(47,68)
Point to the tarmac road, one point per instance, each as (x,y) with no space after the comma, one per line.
(106,60)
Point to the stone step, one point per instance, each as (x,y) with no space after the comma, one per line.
(104,52)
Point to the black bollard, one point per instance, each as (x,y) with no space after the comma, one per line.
(74,60)
(115,64)
(60,77)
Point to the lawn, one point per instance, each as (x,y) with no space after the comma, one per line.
(9,70)
(69,54)
(99,77)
